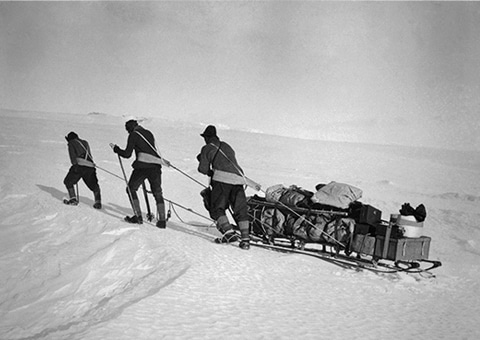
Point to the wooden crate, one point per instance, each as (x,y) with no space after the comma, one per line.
(382,229)
(363,244)
(403,249)
(366,214)
(364,229)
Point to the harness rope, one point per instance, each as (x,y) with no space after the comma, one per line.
(172,203)
(170,164)
(261,190)
(245,178)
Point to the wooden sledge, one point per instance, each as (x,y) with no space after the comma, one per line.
(371,243)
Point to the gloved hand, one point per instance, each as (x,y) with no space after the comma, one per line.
(114,147)
(210,173)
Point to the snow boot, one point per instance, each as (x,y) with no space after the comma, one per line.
(244,227)
(73,200)
(229,237)
(161,223)
(70,201)
(224,226)
(98,199)
(244,244)
(134,219)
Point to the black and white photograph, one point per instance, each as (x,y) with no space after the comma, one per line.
(239,170)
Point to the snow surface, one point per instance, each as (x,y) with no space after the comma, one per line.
(79,273)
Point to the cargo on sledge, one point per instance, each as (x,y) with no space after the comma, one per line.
(334,225)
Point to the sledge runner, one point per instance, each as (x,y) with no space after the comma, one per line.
(82,168)
(147,165)
(217,160)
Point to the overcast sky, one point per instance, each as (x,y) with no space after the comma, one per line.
(336,70)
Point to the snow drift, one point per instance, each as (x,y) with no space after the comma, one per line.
(78,273)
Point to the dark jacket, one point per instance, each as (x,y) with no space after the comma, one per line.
(78,150)
(223,163)
(137,143)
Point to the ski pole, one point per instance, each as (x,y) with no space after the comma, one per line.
(78,193)
(130,196)
(149,212)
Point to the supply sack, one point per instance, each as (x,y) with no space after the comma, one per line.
(339,230)
(296,196)
(337,195)
(273,193)
(272,222)
(315,231)
(299,228)
(309,228)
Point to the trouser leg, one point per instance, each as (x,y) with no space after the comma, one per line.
(244,230)
(89,176)
(245,235)
(155,179)
(223,225)
(98,199)
(218,200)
(72,178)
(162,221)
(136,179)
(136,207)
(71,193)
(238,203)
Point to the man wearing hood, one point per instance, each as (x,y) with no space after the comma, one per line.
(147,165)
(82,168)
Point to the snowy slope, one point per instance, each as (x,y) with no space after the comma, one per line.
(78,273)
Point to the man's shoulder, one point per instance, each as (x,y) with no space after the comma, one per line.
(222,143)
(208,150)
(225,146)
(207,147)
(140,131)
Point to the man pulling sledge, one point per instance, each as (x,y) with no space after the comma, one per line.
(147,165)
(217,160)
(82,168)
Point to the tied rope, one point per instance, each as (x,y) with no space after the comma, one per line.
(259,189)
(172,203)
(167,163)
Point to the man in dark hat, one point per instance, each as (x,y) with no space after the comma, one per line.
(147,165)
(82,168)
(217,160)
